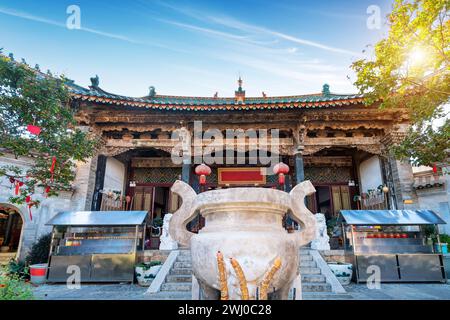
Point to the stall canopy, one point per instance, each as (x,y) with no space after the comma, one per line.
(98,218)
(389,217)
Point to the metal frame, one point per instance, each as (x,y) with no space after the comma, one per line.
(353,255)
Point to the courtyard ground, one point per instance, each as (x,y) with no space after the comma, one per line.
(428,291)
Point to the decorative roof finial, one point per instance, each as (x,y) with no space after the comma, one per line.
(216,95)
(95,81)
(240,93)
(325,89)
(151,91)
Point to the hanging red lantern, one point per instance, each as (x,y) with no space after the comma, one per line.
(281,169)
(202,171)
(34,129)
(434,168)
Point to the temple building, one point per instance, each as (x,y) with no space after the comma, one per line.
(334,140)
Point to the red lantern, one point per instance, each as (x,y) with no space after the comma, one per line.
(281,169)
(202,171)
(434,168)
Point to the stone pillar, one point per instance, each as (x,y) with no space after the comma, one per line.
(84,182)
(99,182)
(299,168)
(186,171)
(403,182)
(186,138)
(401,175)
(298,135)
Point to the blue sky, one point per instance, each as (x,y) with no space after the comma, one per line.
(195,47)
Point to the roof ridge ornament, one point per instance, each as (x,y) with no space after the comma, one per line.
(239,94)
(151,91)
(95,81)
(326,89)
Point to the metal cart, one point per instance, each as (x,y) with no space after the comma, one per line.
(102,244)
(393,241)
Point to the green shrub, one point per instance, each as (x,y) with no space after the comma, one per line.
(39,250)
(18,268)
(148,265)
(13,287)
(444,238)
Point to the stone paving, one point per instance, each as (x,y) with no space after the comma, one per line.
(429,291)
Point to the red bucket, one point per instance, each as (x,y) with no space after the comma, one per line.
(38,273)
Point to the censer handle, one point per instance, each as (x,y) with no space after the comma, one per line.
(185,214)
(301,214)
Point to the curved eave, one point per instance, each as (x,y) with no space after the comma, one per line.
(229,106)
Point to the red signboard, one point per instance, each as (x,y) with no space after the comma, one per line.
(243,176)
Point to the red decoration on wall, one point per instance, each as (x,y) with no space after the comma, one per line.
(30,204)
(52,168)
(241,176)
(29,211)
(17,187)
(34,129)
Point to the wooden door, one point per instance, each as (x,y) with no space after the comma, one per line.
(143,198)
(341,198)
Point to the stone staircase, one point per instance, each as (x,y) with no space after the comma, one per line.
(178,282)
(312,278)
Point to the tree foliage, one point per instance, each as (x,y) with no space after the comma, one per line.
(410,69)
(29,97)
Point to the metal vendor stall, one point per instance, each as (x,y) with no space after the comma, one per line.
(395,241)
(103,244)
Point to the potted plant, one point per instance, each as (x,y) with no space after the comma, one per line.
(146,272)
(37,259)
(342,271)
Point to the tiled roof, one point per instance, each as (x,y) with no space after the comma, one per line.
(162,102)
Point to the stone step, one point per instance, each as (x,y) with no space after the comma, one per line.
(306,257)
(181,271)
(308,264)
(316,287)
(313,278)
(182,265)
(184,253)
(178,287)
(326,296)
(169,295)
(178,278)
(186,258)
(304,252)
(309,270)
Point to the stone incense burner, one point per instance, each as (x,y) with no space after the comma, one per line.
(244,224)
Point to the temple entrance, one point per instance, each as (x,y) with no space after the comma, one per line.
(157,200)
(10,232)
